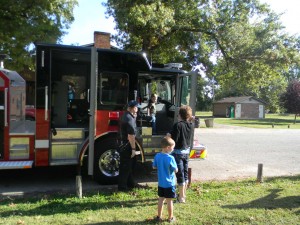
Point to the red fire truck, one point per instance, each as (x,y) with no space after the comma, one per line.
(80,94)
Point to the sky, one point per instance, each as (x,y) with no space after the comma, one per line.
(90,17)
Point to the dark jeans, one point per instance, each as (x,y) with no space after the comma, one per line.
(182,161)
(152,120)
(127,163)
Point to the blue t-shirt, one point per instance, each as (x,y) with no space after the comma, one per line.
(166,165)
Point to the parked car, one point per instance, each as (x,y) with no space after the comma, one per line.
(30,112)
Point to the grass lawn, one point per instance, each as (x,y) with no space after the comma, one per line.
(276,121)
(276,201)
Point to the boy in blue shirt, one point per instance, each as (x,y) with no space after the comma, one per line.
(166,168)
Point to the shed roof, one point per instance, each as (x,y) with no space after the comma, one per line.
(238,99)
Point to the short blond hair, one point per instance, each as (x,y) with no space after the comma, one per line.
(167,141)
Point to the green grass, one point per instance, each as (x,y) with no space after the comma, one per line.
(276,121)
(204,114)
(276,201)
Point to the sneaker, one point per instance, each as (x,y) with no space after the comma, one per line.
(172,220)
(158,219)
(180,200)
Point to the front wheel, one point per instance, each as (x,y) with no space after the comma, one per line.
(107,161)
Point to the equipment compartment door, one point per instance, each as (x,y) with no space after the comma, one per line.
(2,124)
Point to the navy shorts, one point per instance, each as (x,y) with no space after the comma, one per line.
(167,192)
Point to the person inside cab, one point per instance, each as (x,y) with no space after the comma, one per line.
(151,112)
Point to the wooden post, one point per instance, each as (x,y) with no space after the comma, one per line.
(189,176)
(79,182)
(260,173)
(79,186)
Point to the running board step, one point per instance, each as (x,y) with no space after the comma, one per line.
(15,165)
(61,162)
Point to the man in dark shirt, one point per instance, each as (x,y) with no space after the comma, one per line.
(128,131)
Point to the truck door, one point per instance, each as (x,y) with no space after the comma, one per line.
(63,86)
(186,91)
(4,131)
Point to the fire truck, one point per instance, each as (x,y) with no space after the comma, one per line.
(80,95)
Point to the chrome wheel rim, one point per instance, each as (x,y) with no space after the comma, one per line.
(109,163)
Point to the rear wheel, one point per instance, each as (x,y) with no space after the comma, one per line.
(107,161)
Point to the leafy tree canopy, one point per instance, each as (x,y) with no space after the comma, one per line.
(241,43)
(24,22)
(291,98)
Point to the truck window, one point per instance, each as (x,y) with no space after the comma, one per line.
(76,86)
(113,88)
(185,90)
(164,90)
(161,87)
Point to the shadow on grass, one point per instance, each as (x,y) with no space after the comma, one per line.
(291,178)
(270,201)
(63,205)
(123,223)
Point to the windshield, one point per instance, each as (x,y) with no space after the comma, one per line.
(162,88)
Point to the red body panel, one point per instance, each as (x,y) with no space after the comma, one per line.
(42,125)
(104,123)
(6,129)
(41,157)
(42,133)
(6,143)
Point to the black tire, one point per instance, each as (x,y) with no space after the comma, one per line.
(106,162)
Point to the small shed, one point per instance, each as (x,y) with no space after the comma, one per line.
(239,108)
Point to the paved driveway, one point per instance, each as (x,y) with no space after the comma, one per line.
(232,153)
(236,152)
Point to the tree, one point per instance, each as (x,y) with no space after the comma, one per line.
(241,43)
(25,22)
(294,68)
(204,100)
(291,98)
